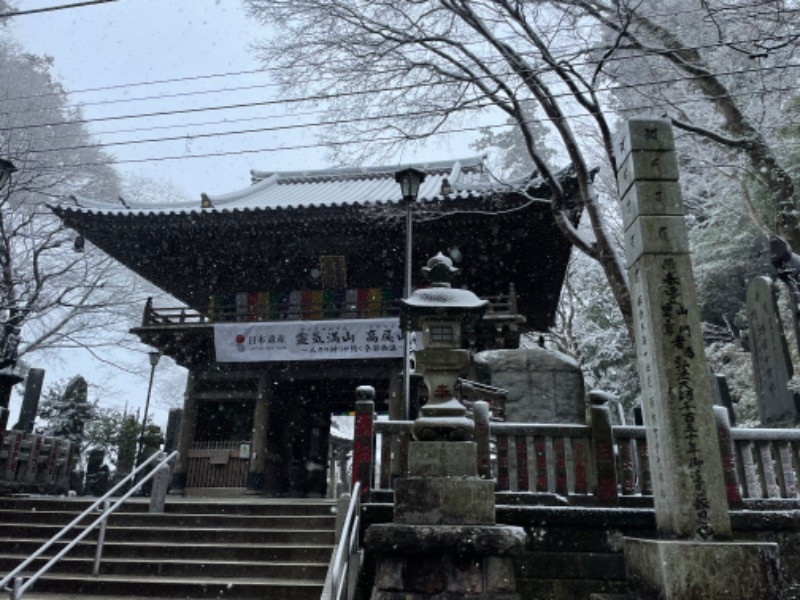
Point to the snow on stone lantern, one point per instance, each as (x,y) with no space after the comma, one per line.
(443,314)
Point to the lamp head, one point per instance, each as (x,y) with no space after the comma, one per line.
(409,180)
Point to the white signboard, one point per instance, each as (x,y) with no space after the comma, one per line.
(308,340)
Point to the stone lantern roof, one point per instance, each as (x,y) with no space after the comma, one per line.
(441,299)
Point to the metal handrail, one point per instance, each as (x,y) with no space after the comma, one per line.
(338,583)
(19,587)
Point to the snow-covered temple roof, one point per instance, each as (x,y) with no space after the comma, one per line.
(272,235)
(445,180)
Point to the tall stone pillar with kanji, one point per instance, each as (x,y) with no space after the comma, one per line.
(676,393)
(692,514)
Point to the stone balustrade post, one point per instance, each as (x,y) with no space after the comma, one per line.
(728,454)
(364,438)
(603,448)
(161,481)
(480,414)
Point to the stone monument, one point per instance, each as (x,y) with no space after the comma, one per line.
(544,386)
(30,400)
(772,367)
(690,559)
(444,542)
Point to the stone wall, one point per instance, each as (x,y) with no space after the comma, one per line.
(544,386)
(571,553)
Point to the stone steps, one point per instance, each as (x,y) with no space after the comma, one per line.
(199,551)
(247,547)
(174,587)
(186,535)
(139,519)
(176,568)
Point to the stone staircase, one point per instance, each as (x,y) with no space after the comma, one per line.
(249,547)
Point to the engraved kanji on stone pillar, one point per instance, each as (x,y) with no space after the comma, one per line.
(688,483)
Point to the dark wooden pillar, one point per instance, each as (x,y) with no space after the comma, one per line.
(258,441)
(186,440)
(274,479)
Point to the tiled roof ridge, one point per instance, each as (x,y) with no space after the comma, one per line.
(443,167)
(447,182)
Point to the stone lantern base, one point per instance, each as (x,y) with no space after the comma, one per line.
(444,487)
(444,543)
(456,561)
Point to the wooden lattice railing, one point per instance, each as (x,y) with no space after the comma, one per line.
(302,306)
(218,464)
(588,464)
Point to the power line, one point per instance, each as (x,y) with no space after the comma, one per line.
(388,139)
(304,113)
(270,85)
(204,109)
(379,139)
(322,80)
(401,88)
(307,125)
(196,124)
(33,11)
(290,148)
(350,121)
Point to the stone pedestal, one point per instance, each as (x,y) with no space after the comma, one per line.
(444,542)
(444,487)
(693,570)
(443,562)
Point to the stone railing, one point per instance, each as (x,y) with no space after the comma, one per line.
(767,462)
(595,464)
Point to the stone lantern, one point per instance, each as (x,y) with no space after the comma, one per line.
(444,541)
(443,314)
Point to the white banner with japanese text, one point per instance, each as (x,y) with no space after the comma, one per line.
(308,340)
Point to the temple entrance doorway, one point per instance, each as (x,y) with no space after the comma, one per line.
(298,434)
(219,456)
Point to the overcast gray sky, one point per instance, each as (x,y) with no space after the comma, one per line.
(156,56)
(175,49)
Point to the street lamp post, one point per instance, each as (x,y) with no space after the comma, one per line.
(154,358)
(409,180)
